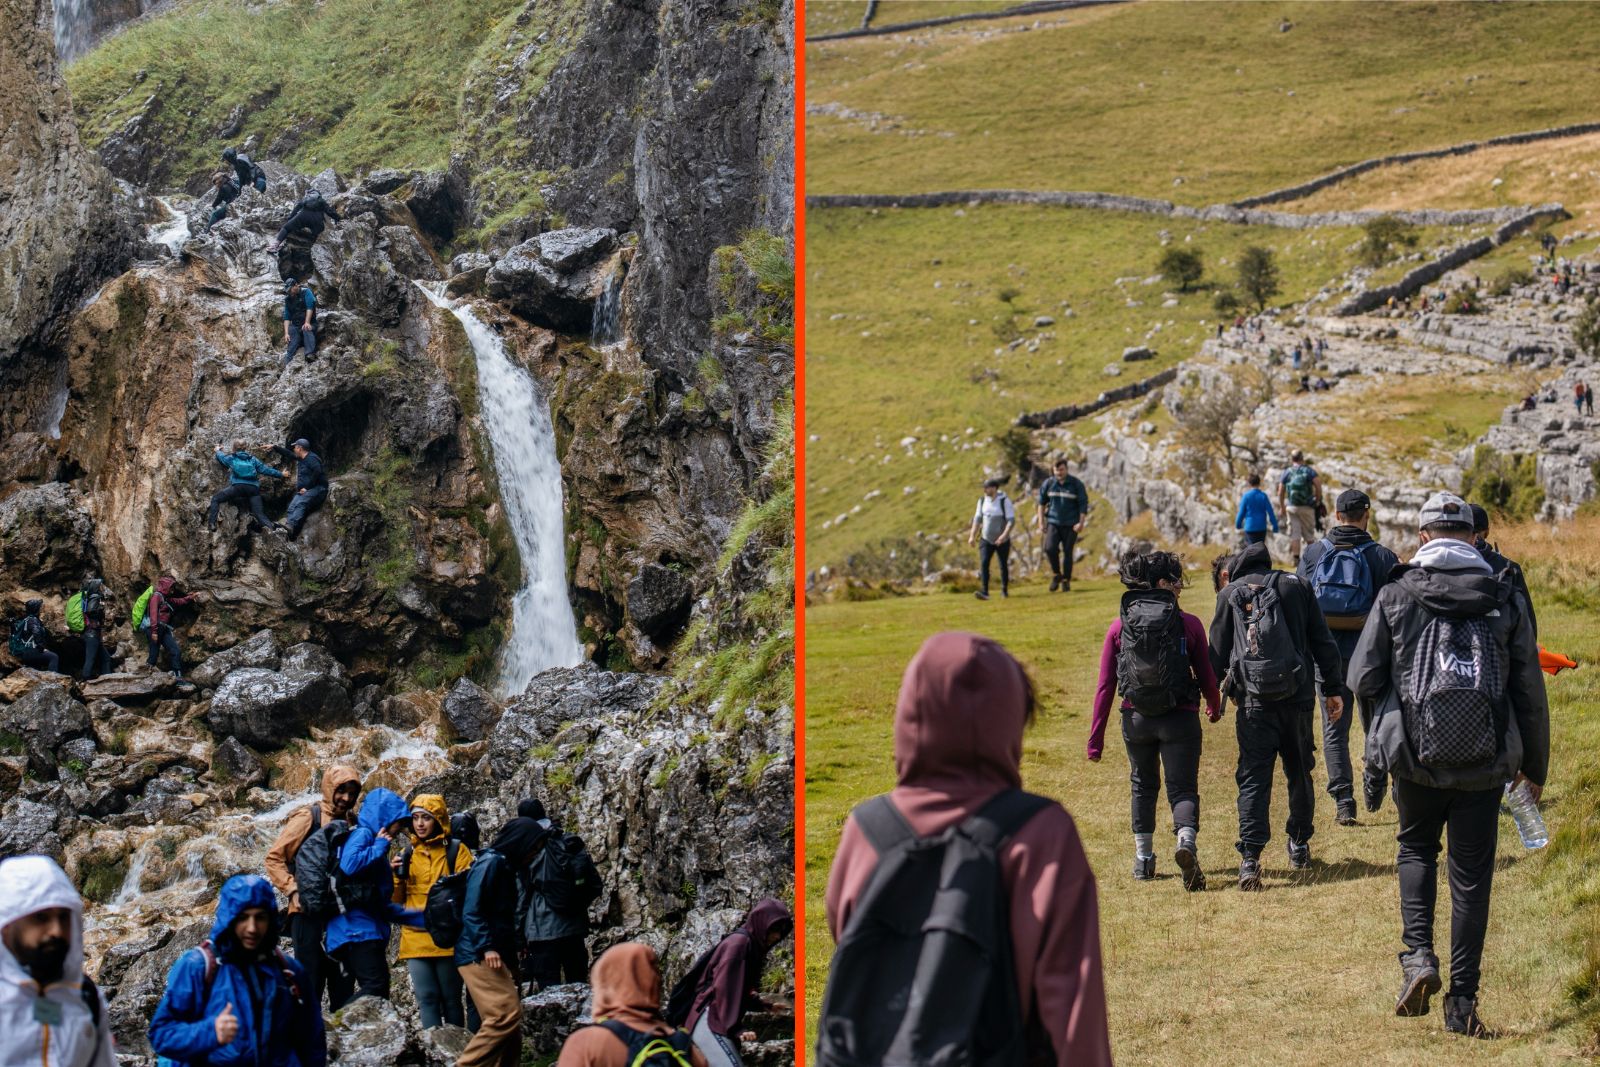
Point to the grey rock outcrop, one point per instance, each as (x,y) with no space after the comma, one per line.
(265,708)
(260,649)
(470,711)
(43,719)
(554,279)
(658,601)
(368,1033)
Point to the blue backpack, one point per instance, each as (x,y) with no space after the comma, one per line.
(1343,584)
(243,466)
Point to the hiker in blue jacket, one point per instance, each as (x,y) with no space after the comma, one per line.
(358,937)
(299,319)
(236,999)
(1255,513)
(244,485)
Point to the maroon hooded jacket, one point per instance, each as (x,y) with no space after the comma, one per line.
(958,742)
(728,986)
(161,604)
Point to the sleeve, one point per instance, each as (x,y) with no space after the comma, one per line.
(977,515)
(1044,490)
(403,915)
(222,460)
(1324,650)
(1529,702)
(1105,692)
(1221,647)
(726,978)
(281,854)
(311,297)
(362,848)
(1238,518)
(1272,516)
(1200,661)
(1083,495)
(1008,509)
(180,1029)
(837,900)
(1520,583)
(1372,663)
(474,924)
(262,468)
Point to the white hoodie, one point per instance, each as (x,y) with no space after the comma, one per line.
(29,884)
(1448,554)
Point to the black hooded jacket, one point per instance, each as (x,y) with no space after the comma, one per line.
(1497,562)
(1308,629)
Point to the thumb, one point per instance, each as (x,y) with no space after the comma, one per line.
(228,1010)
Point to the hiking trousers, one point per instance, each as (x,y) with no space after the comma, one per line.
(1266,735)
(301,505)
(718,1049)
(300,337)
(43,661)
(1157,742)
(438,988)
(1254,537)
(96,657)
(498,1042)
(367,964)
(988,550)
(1473,819)
(241,496)
(162,637)
(1058,545)
(564,959)
(322,970)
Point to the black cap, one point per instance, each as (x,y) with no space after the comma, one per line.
(32,607)
(288,283)
(1480,518)
(1352,502)
(301,442)
(229,154)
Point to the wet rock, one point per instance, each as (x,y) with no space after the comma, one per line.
(407,253)
(401,712)
(442,1045)
(315,659)
(470,711)
(79,750)
(29,826)
(236,765)
(436,203)
(12,771)
(41,721)
(135,688)
(25,679)
(265,708)
(141,986)
(560,696)
(46,538)
(383,181)
(258,650)
(551,1015)
(554,279)
(468,273)
(117,960)
(367,1033)
(658,601)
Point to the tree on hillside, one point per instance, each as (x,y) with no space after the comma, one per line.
(1586,329)
(1258,276)
(1182,265)
(1213,420)
(1386,235)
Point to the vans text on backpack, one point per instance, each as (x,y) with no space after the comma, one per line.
(923,974)
(1458,681)
(1265,663)
(1153,664)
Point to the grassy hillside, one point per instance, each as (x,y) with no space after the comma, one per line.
(1134,98)
(1306,967)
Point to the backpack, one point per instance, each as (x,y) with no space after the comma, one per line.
(140,620)
(681,1000)
(74,613)
(1266,662)
(651,1050)
(1457,681)
(316,863)
(1343,583)
(464,828)
(567,878)
(1153,664)
(443,914)
(23,637)
(243,466)
(923,974)
(258,177)
(1299,486)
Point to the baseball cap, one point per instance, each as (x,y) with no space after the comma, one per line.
(1352,502)
(1480,518)
(301,443)
(1445,508)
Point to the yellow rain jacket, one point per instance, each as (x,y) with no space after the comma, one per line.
(429,863)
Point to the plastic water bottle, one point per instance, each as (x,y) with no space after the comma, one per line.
(1525,810)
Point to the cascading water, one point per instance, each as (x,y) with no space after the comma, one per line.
(544,633)
(173,232)
(74,26)
(606,325)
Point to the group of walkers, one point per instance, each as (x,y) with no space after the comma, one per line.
(86,613)
(1063,511)
(475,925)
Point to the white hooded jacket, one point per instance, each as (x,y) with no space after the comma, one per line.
(29,884)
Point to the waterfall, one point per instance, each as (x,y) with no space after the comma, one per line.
(522,437)
(173,232)
(606,326)
(74,26)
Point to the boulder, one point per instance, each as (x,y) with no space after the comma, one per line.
(20,682)
(116,961)
(368,1032)
(41,721)
(140,987)
(551,1015)
(235,764)
(442,1045)
(12,770)
(28,826)
(1137,353)
(132,688)
(46,538)
(570,250)
(265,708)
(407,253)
(658,601)
(315,659)
(383,181)
(470,711)
(554,279)
(436,204)
(468,272)
(258,650)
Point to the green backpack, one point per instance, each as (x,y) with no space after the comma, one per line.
(139,621)
(74,613)
(1300,486)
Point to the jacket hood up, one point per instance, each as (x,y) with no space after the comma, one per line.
(1455,593)
(1252,559)
(767,913)
(959,721)
(518,839)
(434,805)
(382,807)
(627,987)
(332,779)
(238,893)
(164,586)
(34,883)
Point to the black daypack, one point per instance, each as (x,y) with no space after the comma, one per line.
(924,974)
(1266,664)
(444,913)
(1456,686)
(24,638)
(94,599)
(567,877)
(316,866)
(1153,670)
(681,1000)
(650,1050)
(464,828)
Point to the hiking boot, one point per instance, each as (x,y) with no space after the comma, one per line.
(1299,855)
(1055,583)
(1144,868)
(1066,585)
(1372,790)
(1194,879)
(1461,1017)
(1005,594)
(981,595)
(1346,813)
(1249,873)
(1419,981)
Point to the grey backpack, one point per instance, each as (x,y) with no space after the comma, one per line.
(1457,681)
(1267,665)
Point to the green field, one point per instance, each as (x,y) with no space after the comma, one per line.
(1133,99)
(1302,973)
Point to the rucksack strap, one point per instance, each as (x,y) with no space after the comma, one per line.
(288,976)
(452,850)
(1002,816)
(91,1000)
(881,821)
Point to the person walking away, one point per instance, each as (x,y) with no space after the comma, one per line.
(1269,639)
(299,319)
(244,485)
(90,614)
(1255,513)
(341,788)
(310,216)
(434,978)
(963,706)
(311,488)
(992,525)
(1497,562)
(730,981)
(248,172)
(1588,399)
(1299,492)
(29,640)
(628,1026)
(51,1013)
(227,191)
(486,951)
(1345,570)
(358,936)
(1063,510)
(1155,655)
(236,999)
(1450,651)
(562,883)
(159,611)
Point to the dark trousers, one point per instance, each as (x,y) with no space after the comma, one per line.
(301,505)
(1058,543)
(96,657)
(300,337)
(162,637)
(1157,742)
(1336,746)
(438,988)
(367,964)
(1267,734)
(1254,537)
(987,552)
(1473,817)
(242,497)
(322,970)
(44,660)
(565,959)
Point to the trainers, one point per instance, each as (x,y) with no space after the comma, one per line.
(1299,855)
(1005,594)
(1055,583)
(1372,789)
(1194,879)
(1066,585)
(981,595)
(1461,1017)
(1249,873)
(1419,981)
(1144,868)
(1346,813)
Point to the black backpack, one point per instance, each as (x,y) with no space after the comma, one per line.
(316,867)
(649,1050)
(24,638)
(1266,664)
(1153,664)
(681,1000)
(94,599)
(443,915)
(1455,689)
(464,828)
(923,974)
(567,877)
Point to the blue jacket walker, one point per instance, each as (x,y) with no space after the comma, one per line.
(363,849)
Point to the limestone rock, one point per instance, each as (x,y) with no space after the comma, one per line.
(658,601)
(554,279)
(47,538)
(470,711)
(240,767)
(24,680)
(42,719)
(368,1032)
(260,649)
(131,688)
(551,1015)
(316,660)
(265,708)
(29,826)
(442,1045)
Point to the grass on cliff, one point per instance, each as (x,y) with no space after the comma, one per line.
(1133,98)
(1307,967)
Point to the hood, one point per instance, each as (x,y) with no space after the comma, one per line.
(1346,536)
(332,779)
(764,916)
(238,893)
(434,805)
(517,840)
(531,808)
(164,585)
(627,987)
(1446,554)
(958,724)
(382,807)
(1455,593)
(34,883)
(1252,559)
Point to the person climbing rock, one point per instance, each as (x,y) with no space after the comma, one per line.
(311,487)
(299,319)
(434,978)
(1063,509)
(562,883)
(159,610)
(245,169)
(358,936)
(236,998)
(30,640)
(626,987)
(1255,513)
(486,951)
(227,191)
(243,490)
(1299,493)
(341,788)
(730,980)
(90,609)
(992,525)
(311,214)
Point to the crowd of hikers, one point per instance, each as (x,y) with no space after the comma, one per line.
(479,926)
